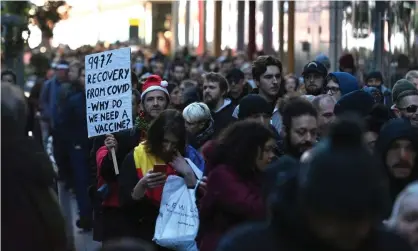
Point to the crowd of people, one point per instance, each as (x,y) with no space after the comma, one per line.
(323,161)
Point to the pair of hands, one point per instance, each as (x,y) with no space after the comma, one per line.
(152,180)
(155,179)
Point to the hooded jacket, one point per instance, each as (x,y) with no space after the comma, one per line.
(397,129)
(387,94)
(347,82)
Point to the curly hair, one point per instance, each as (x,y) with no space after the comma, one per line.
(169,121)
(239,144)
(295,107)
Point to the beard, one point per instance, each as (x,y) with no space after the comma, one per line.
(210,102)
(296,150)
(402,169)
(313,90)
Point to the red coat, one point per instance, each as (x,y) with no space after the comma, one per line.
(229,201)
(113,199)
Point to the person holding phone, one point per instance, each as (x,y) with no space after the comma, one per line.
(145,170)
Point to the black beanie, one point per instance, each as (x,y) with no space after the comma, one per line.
(359,102)
(374,74)
(253,104)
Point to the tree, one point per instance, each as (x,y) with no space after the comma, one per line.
(46,16)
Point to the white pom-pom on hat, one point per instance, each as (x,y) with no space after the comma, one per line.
(154,83)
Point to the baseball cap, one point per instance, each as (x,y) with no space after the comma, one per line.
(315,67)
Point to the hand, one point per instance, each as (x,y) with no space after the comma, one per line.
(110,142)
(180,164)
(152,180)
(203,185)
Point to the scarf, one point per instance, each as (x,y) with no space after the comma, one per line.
(200,139)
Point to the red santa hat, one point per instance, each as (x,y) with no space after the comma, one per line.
(154,83)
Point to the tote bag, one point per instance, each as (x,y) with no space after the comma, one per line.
(178,221)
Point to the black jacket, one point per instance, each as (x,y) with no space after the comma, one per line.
(143,211)
(223,118)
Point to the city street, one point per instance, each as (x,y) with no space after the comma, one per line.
(83,240)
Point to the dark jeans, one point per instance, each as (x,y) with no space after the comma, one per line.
(81,172)
(62,159)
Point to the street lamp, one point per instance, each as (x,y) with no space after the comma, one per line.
(14,32)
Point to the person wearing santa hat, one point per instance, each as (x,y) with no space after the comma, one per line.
(154,96)
(153,100)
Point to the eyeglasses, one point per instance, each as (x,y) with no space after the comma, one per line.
(332,89)
(410,109)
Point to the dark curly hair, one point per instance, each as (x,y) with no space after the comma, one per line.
(169,121)
(295,107)
(239,144)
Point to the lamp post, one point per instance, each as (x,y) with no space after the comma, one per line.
(14,34)
(379,36)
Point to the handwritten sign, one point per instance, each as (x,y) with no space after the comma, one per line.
(108,92)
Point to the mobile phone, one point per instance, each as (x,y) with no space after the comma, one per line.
(160,168)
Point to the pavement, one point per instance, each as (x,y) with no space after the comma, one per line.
(83,240)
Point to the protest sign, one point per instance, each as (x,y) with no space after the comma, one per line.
(108,92)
